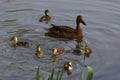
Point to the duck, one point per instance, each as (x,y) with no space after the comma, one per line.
(60,31)
(87,50)
(39,53)
(57,51)
(68,67)
(78,49)
(16,42)
(83,51)
(46,17)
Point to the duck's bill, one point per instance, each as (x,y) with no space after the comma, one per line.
(84,22)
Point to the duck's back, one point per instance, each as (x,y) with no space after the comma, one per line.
(62,31)
(66,29)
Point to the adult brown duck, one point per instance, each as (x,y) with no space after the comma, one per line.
(66,31)
(46,17)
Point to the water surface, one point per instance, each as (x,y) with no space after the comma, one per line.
(102,33)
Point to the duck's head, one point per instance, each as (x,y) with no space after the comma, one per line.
(14,39)
(38,49)
(79,20)
(47,13)
(55,51)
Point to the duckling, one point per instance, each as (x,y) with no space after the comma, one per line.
(39,53)
(16,43)
(66,31)
(88,50)
(57,51)
(46,17)
(68,67)
(78,50)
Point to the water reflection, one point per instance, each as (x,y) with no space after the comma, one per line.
(9,22)
(17,10)
(9,0)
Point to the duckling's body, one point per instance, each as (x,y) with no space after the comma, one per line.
(39,53)
(57,51)
(66,31)
(88,51)
(46,17)
(68,67)
(16,43)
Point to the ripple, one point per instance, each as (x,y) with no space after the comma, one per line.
(17,10)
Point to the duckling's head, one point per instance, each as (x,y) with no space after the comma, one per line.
(55,51)
(47,13)
(79,20)
(14,39)
(38,49)
(69,63)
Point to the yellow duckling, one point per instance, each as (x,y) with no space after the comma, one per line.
(16,43)
(46,17)
(57,51)
(88,51)
(66,31)
(68,67)
(78,50)
(39,53)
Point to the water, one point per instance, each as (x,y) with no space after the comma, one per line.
(20,17)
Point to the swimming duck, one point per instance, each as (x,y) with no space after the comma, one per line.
(86,51)
(66,31)
(57,51)
(16,43)
(46,17)
(39,53)
(68,67)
